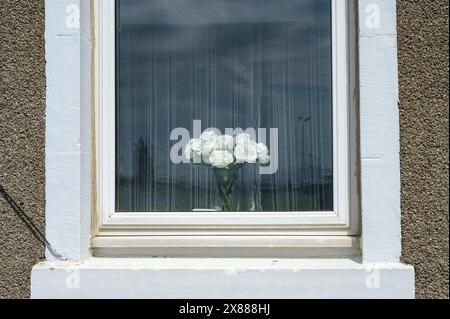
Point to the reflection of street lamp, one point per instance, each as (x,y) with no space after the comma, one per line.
(303,121)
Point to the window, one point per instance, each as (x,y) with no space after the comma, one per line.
(276,234)
(277,70)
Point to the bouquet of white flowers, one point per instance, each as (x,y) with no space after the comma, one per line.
(225,154)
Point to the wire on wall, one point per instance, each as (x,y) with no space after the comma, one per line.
(29,223)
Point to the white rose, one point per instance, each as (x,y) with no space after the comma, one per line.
(263,153)
(193,150)
(246,152)
(224,143)
(221,159)
(208,144)
(208,136)
(243,138)
(208,147)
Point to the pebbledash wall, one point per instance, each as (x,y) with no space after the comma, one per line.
(22,144)
(423,72)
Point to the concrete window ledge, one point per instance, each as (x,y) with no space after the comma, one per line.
(172,278)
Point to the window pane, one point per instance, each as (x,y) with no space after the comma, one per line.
(231,64)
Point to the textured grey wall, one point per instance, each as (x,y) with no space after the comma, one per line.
(423,40)
(22,123)
(423,54)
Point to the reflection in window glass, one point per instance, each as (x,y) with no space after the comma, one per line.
(231,64)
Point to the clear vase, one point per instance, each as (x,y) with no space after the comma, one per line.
(226,179)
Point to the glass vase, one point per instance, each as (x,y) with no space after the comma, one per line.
(226,179)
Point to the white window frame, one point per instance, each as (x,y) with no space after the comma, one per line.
(342,221)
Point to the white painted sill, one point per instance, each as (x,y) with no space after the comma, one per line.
(193,278)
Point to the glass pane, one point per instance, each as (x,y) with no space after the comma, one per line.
(230,64)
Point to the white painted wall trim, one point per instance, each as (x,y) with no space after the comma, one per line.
(68,147)
(379,131)
(231,279)
(69,191)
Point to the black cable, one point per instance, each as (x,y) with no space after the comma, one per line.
(28,222)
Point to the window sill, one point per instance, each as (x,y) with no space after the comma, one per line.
(227,246)
(181,278)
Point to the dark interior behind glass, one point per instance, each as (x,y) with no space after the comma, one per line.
(229,63)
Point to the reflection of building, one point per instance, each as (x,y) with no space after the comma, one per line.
(142,163)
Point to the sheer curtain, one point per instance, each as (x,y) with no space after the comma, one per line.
(268,68)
